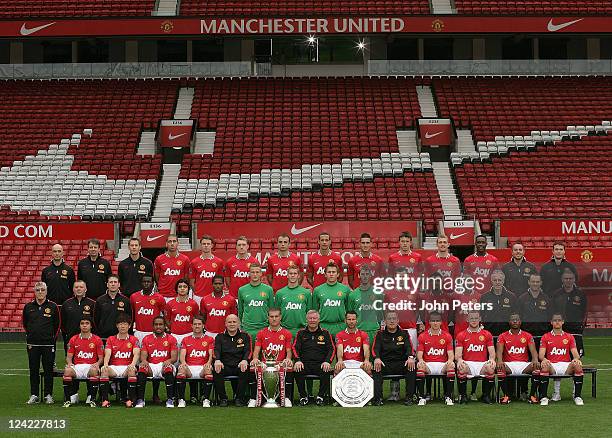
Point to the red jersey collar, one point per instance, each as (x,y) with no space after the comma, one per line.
(432,334)
(283,257)
(552,332)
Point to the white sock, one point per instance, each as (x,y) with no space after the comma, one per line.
(557,383)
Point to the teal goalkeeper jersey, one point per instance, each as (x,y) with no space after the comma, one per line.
(294,304)
(331,302)
(253,305)
(362,302)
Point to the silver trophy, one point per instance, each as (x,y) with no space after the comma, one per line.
(270,380)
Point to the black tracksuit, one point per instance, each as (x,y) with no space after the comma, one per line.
(131,272)
(106,311)
(94,274)
(535,313)
(231,350)
(72,311)
(573,307)
(551,275)
(502,305)
(312,349)
(41,323)
(59,280)
(393,349)
(518,275)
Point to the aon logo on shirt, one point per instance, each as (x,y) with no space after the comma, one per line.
(558,351)
(123,354)
(274,347)
(182,318)
(205,274)
(321,271)
(436,351)
(217,312)
(256,303)
(517,350)
(352,350)
(157,353)
(476,348)
(172,272)
(145,311)
(281,272)
(482,272)
(241,274)
(85,355)
(293,306)
(332,303)
(198,353)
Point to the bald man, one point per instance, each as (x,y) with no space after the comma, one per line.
(58,276)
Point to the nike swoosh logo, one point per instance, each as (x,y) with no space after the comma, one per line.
(295,231)
(456,236)
(555,27)
(151,239)
(435,134)
(25,31)
(174,137)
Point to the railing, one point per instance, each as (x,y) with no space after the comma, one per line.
(132,70)
(505,67)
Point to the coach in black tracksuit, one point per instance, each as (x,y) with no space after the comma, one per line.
(94,270)
(58,276)
(232,355)
(571,302)
(313,351)
(74,309)
(498,304)
(108,307)
(393,355)
(41,321)
(535,308)
(133,268)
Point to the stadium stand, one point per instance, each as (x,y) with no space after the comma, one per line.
(28,259)
(76,8)
(533,7)
(300,7)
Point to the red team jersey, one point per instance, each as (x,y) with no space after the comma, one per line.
(406,318)
(435,348)
(445,299)
(516,346)
(480,267)
(317,264)
(278,266)
(558,347)
(216,310)
(449,267)
(352,344)
(271,341)
(237,271)
(474,344)
(85,350)
(169,270)
(180,315)
(460,316)
(202,271)
(145,309)
(412,262)
(122,350)
(198,350)
(159,348)
(355,263)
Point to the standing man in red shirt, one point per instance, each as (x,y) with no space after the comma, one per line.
(353,346)
(203,268)
(364,256)
(475,356)
(237,267)
(315,274)
(217,306)
(559,357)
(169,268)
(180,312)
(405,258)
(121,355)
(277,265)
(146,306)
(480,266)
(443,261)
(435,356)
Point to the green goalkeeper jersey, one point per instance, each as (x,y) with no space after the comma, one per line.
(331,301)
(253,305)
(294,303)
(362,302)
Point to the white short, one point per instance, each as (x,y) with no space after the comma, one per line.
(196,371)
(211,334)
(475,368)
(81,370)
(412,332)
(435,367)
(560,368)
(140,336)
(517,367)
(157,370)
(352,364)
(179,338)
(120,370)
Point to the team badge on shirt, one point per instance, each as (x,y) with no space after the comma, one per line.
(214,265)
(481,338)
(188,308)
(442,341)
(281,338)
(301,297)
(565,341)
(358,339)
(129,345)
(412,260)
(527,270)
(506,300)
(225,303)
(340,294)
(142,267)
(204,344)
(101,267)
(86,307)
(152,302)
(523,340)
(400,338)
(263,294)
(165,343)
(179,262)
(240,341)
(321,338)
(449,264)
(47,310)
(121,304)
(64,272)
(91,345)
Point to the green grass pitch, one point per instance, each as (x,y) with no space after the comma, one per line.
(515,420)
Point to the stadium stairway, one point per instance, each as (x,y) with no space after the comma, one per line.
(447,191)
(184,103)
(442,7)
(166,194)
(426,101)
(166,8)
(146,146)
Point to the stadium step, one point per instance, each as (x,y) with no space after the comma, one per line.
(442,7)
(407,142)
(184,103)
(123,252)
(146,146)
(426,101)
(167,188)
(166,8)
(465,141)
(205,143)
(446,190)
